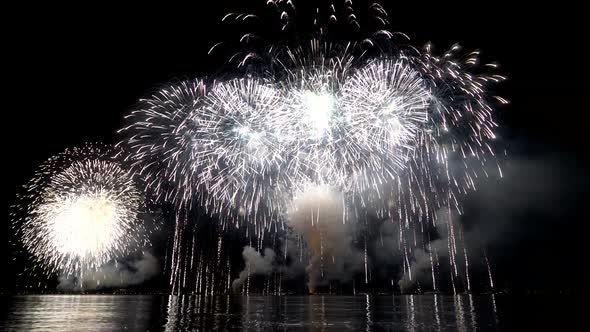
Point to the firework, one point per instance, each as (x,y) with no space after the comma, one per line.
(157,142)
(401,132)
(363,126)
(80,211)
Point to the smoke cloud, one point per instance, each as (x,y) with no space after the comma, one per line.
(255,264)
(422,262)
(531,201)
(113,275)
(318,216)
(533,197)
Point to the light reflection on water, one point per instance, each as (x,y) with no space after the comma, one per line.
(77,313)
(251,313)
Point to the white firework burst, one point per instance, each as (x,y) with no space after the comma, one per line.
(365,126)
(81,211)
(237,156)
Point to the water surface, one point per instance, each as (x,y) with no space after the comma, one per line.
(286,313)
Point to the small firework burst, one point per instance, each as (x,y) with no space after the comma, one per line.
(80,211)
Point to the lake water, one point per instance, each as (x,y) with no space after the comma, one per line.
(288,313)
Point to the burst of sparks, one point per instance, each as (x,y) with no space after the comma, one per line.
(80,211)
(385,127)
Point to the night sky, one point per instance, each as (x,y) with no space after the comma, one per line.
(74,72)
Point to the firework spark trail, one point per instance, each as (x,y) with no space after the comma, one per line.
(399,131)
(80,211)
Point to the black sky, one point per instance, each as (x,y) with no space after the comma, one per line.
(75,71)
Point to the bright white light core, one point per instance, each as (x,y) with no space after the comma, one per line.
(319,109)
(85,225)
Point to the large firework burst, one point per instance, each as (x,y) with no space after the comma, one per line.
(80,211)
(401,132)
(362,125)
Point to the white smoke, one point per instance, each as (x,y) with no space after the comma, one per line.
(255,263)
(113,275)
(318,215)
(420,267)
